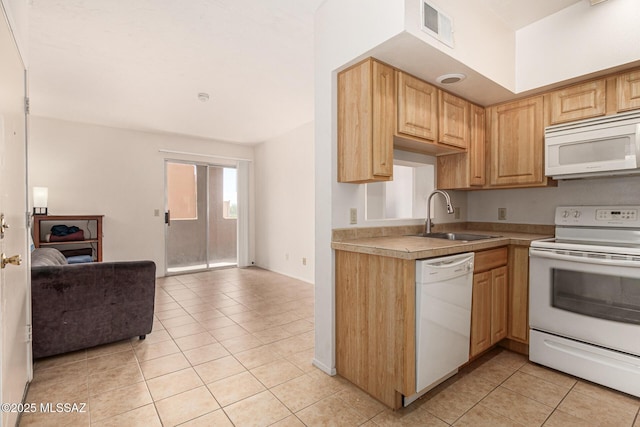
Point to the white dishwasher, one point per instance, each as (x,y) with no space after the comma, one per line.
(443,319)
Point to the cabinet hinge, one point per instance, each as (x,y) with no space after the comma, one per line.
(26,105)
(29,333)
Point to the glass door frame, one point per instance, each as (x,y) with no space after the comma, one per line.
(207,261)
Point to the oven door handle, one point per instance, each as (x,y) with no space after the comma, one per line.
(587,260)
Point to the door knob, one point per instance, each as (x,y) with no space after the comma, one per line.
(15,260)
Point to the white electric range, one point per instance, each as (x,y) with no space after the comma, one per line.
(584,296)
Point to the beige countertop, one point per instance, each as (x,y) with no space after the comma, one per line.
(417,247)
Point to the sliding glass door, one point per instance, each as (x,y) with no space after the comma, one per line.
(223,216)
(201,216)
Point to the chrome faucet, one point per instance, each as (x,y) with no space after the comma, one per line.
(427,223)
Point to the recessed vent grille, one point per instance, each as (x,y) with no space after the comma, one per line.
(437,24)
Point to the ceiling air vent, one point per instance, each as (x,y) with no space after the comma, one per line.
(437,24)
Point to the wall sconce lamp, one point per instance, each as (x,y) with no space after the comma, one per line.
(40,196)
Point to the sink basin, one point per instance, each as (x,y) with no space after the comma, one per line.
(457,236)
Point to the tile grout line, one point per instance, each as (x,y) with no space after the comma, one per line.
(196,372)
(155,408)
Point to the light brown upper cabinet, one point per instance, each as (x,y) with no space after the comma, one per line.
(366,122)
(628,91)
(466,170)
(581,101)
(517,144)
(420,126)
(417,108)
(453,120)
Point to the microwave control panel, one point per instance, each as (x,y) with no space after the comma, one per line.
(598,216)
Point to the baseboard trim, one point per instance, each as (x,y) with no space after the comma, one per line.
(323,367)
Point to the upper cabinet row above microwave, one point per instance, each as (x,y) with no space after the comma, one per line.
(380,107)
(594,98)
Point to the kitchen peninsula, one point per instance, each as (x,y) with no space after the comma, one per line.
(375,298)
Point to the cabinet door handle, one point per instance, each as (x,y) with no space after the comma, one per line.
(167,218)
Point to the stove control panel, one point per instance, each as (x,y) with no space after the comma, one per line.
(618,214)
(598,216)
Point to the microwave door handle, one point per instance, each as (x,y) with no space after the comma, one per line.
(587,260)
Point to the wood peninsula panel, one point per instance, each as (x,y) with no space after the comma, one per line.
(577,102)
(375,324)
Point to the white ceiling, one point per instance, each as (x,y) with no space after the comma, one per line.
(141,64)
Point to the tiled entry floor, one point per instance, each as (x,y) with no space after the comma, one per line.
(234,347)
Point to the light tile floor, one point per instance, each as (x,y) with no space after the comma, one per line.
(234,347)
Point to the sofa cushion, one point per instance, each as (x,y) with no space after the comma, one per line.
(47,256)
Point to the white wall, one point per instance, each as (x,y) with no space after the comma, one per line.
(537,205)
(474,29)
(344,31)
(285,208)
(576,41)
(119,173)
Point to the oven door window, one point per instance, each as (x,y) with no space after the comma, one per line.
(597,295)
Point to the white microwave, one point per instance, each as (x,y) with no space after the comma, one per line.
(604,146)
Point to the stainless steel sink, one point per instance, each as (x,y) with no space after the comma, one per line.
(457,236)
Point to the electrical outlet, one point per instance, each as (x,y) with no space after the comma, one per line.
(156,212)
(353,216)
(456,213)
(502,214)
(304,261)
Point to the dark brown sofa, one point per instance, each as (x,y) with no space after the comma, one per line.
(76,306)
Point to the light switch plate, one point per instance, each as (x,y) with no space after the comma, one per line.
(353,216)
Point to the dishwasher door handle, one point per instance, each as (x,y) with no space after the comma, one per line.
(451,264)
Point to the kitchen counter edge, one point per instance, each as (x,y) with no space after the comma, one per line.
(416,247)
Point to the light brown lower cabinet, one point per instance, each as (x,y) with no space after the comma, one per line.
(376,318)
(489,308)
(375,324)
